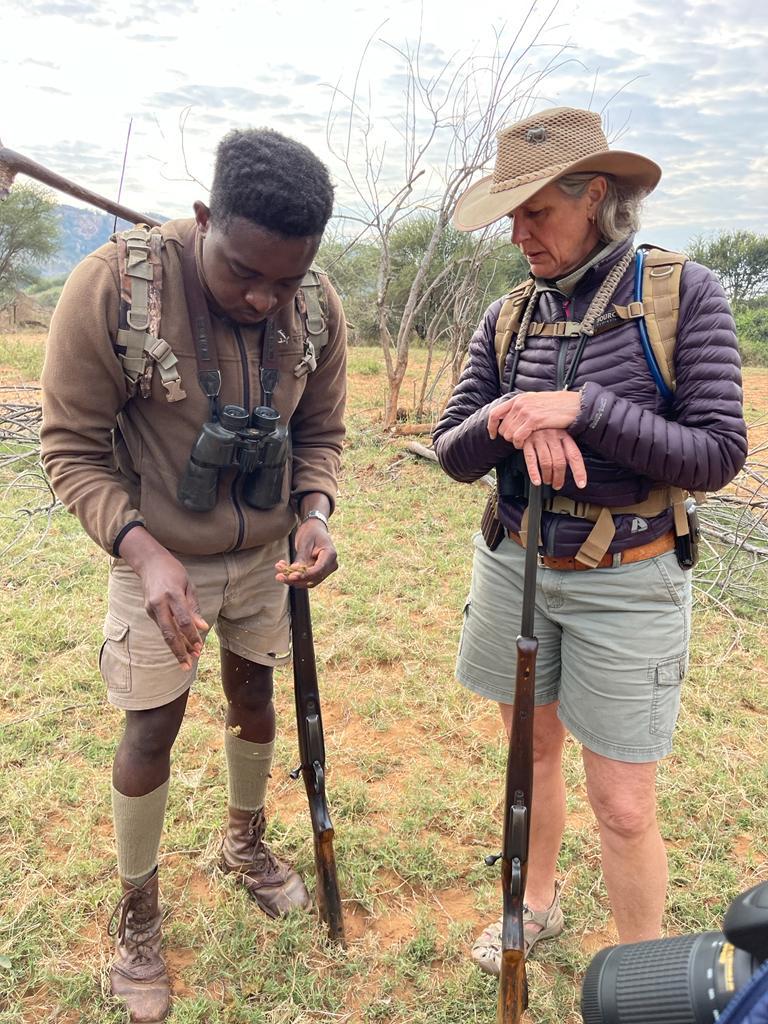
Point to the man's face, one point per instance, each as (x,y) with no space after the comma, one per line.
(251,272)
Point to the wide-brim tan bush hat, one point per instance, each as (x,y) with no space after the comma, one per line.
(540,149)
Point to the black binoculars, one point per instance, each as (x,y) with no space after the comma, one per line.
(257,444)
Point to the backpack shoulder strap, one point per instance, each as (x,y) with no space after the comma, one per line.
(139,345)
(508,323)
(313,311)
(660,296)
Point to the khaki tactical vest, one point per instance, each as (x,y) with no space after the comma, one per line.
(139,345)
(659,308)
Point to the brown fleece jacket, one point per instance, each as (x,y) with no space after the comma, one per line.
(115,458)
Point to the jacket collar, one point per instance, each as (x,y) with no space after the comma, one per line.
(591,273)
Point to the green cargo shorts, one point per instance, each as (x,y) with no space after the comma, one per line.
(613,646)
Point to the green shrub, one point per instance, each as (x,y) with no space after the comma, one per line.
(752,331)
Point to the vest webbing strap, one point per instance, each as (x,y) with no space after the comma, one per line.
(601,536)
(560,329)
(309,301)
(662,271)
(141,274)
(509,320)
(659,308)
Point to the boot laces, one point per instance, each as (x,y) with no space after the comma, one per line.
(262,858)
(139,929)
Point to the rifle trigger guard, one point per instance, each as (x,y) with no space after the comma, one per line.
(518,830)
(317,768)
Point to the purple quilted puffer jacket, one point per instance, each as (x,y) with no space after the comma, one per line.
(630,437)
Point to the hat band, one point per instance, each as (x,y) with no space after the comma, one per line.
(523,179)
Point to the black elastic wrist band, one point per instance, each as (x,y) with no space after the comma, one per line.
(119,537)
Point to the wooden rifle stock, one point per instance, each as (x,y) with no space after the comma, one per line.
(513,983)
(312,767)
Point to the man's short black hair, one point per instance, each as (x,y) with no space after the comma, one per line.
(274,181)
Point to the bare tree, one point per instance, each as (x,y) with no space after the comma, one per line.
(452,110)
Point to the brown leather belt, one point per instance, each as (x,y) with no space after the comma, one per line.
(568,563)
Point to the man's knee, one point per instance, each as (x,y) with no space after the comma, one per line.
(251,687)
(150,734)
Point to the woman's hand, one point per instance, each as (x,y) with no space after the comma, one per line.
(548,454)
(516,419)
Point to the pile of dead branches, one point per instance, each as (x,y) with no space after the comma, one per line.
(733,566)
(27,502)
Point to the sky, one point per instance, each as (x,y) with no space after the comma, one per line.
(685,84)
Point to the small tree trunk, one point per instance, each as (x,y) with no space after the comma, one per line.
(393,394)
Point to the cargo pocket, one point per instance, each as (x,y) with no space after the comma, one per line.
(114,657)
(667,677)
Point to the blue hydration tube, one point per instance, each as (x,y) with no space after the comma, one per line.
(650,358)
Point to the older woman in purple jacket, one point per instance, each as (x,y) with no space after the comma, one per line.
(584,404)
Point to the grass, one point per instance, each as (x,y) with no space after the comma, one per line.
(415,778)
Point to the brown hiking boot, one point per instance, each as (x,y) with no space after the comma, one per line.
(138,975)
(274,885)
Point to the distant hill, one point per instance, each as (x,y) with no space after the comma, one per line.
(80,232)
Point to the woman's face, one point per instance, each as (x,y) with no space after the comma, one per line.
(554,231)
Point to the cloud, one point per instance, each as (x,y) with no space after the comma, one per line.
(89,11)
(41,63)
(79,161)
(149,38)
(217,97)
(105,13)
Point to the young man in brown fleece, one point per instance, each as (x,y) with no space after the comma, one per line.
(116,452)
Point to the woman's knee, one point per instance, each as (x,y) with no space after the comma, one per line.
(624,821)
(623,796)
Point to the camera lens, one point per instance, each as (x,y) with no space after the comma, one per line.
(685,980)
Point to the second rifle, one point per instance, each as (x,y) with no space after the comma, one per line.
(312,754)
(513,982)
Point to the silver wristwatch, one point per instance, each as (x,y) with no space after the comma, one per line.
(316,514)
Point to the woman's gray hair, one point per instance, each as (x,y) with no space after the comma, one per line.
(618,214)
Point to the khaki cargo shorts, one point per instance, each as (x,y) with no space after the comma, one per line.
(239,597)
(613,646)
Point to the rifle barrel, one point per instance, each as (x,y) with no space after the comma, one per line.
(312,752)
(513,983)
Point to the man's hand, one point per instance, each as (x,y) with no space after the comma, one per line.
(169,595)
(315,557)
(548,454)
(516,419)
